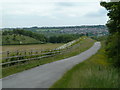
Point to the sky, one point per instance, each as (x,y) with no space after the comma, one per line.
(30,13)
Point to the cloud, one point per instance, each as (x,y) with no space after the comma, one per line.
(65,4)
(99,13)
(42,12)
(39,1)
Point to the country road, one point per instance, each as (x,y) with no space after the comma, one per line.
(45,75)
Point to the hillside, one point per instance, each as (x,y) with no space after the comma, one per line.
(18,39)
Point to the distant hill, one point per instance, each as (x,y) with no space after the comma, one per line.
(18,39)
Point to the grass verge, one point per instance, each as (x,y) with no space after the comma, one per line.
(95,72)
(84,45)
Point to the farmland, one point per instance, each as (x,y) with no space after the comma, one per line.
(29,47)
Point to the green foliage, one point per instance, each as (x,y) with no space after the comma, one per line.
(63,38)
(113,49)
(113,42)
(114,15)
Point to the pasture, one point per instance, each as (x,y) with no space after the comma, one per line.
(13,48)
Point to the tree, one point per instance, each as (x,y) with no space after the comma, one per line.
(113,42)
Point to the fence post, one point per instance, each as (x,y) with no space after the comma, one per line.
(8,53)
(31,51)
(17,52)
(25,52)
(36,52)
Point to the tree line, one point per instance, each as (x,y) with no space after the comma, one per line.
(64,38)
(113,42)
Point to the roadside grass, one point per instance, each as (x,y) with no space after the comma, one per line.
(95,72)
(83,45)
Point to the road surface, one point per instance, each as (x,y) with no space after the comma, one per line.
(45,75)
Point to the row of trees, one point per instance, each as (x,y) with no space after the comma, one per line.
(64,38)
(53,39)
(113,42)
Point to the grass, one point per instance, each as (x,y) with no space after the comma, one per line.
(29,47)
(95,72)
(84,45)
(18,39)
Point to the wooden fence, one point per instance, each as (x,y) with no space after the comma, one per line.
(11,58)
(21,58)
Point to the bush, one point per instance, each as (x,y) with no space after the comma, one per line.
(113,49)
(113,42)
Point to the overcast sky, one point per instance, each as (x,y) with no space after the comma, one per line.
(29,13)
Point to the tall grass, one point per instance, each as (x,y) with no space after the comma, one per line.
(95,72)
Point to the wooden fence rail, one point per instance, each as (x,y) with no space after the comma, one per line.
(44,55)
(25,52)
(38,53)
(28,55)
(25,60)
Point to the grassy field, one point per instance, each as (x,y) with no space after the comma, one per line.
(84,45)
(29,47)
(95,72)
(18,39)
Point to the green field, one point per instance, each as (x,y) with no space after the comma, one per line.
(29,47)
(83,45)
(95,72)
(18,39)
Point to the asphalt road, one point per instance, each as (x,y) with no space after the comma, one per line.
(45,75)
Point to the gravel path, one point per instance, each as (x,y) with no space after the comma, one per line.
(45,75)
